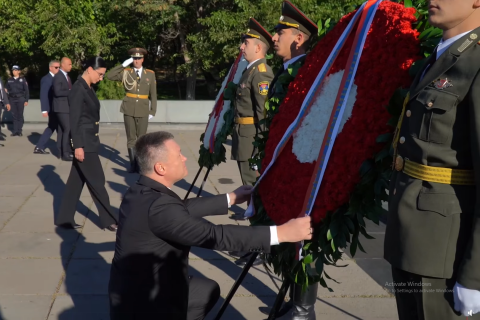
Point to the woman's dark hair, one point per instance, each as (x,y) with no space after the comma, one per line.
(94,62)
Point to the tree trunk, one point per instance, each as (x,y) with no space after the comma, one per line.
(192,73)
(211,84)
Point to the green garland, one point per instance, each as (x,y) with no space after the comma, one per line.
(207,159)
(346,223)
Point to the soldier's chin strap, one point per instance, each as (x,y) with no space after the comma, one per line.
(129,85)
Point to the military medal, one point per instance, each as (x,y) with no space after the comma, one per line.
(442,84)
(242,85)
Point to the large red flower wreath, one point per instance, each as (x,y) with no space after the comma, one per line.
(391,47)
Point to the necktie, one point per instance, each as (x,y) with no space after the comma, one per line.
(434,54)
(138,76)
(69,82)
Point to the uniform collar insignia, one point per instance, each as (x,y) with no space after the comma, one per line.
(442,84)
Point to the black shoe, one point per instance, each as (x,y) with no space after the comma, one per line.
(243,261)
(69,226)
(40,151)
(13,134)
(237,253)
(67,158)
(112,227)
(20,134)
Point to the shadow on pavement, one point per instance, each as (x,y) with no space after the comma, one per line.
(53,184)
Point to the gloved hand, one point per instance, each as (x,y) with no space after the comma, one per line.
(467,301)
(127,62)
(150,116)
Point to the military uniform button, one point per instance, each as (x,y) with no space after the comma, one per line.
(137,100)
(402,140)
(409,113)
(430,104)
(96,134)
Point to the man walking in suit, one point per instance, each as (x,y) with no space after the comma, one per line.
(149,274)
(432,239)
(62,84)
(46,103)
(140,85)
(4,103)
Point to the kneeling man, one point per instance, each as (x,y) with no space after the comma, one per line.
(149,274)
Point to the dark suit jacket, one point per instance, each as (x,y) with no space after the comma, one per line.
(46,93)
(149,273)
(61,89)
(434,228)
(3,94)
(84,117)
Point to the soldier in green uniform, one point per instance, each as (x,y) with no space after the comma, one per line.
(140,102)
(250,98)
(432,238)
(294,32)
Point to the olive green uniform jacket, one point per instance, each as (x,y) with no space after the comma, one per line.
(250,98)
(433,228)
(134,106)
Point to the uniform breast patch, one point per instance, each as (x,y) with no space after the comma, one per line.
(263,88)
(262,67)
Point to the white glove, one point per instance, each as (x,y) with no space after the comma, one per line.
(127,62)
(467,301)
(150,116)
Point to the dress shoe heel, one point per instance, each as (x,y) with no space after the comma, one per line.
(69,226)
(112,227)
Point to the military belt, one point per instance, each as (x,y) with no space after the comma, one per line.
(138,96)
(439,175)
(246,120)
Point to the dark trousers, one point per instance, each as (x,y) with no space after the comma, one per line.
(424,298)
(203,294)
(135,128)
(90,172)
(63,136)
(248,175)
(18,106)
(51,127)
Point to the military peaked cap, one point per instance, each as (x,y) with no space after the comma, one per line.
(137,52)
(292,17)
(256,31)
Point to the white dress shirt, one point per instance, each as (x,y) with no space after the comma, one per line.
(289,62)
(250,64)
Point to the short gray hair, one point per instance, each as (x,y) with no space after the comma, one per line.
(52,62)
(150,148)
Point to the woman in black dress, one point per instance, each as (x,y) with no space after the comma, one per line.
(86,166)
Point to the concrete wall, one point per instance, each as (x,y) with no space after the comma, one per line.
(167,112)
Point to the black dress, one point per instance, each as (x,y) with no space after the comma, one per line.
(84,122)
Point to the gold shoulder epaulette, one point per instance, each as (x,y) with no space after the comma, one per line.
(262,67)
(148,70)
(128,69)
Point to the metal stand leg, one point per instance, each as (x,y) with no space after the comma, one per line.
(203,182)
(193,183)
(279,300)
(236,285)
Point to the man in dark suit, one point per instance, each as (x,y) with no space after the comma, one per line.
(149,274)
(4,103)
(46,103)
(432,239)
(62,85)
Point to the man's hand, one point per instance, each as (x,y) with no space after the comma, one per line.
(127,62)
(45,114)
(25,104)
(467,301)
(8,107)
(295,230)
(240,195)
(79,154)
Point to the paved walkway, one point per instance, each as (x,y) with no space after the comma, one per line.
(49,274)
